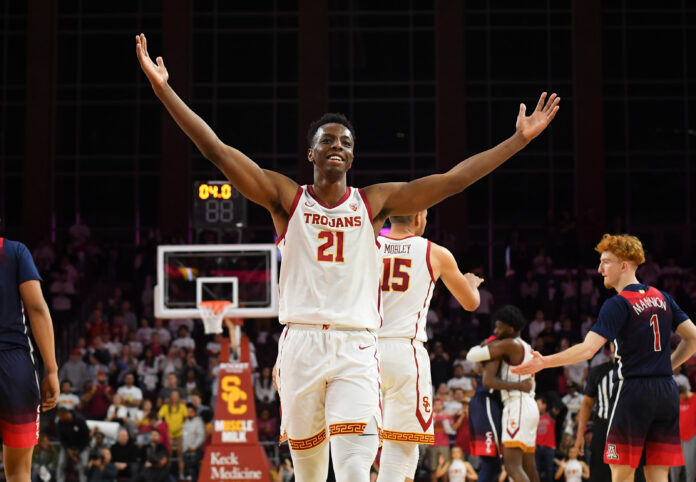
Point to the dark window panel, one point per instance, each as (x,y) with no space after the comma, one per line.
(107,201)
(246,93)
(386,20)
(654,89)
(256,50)
(247,127)
(662,128)
(367,5)
(654,54)
(615,162)
(14,164)
(15,8)
(659,160)
(664,18)
(476,129)
(107,129)
(288,164)
(66,164)
(13,135)
(149,132)
(477,205)
(286,128)
(425,123)
(381,56)
(563,161)
(106,164)
(426,20)
(16,59)
(381,92)
(339,91)
(561,132)
(65,198)
(563,194)
(530,195)
(657,198)
(424,55)
(526,62)
(286,70)
(528,160)
(149,200)
(475,19)
(425,163)
(382,127)
(612,54)
(245,22)
(287,92)
(561,58)
(12,201)
(528,18)
(104,58)
(122,6)
(203,65)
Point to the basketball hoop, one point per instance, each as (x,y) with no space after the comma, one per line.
(212,313)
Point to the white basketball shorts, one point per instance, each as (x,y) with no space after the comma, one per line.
(327,379)
(520,421)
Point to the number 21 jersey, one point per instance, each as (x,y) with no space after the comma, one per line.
(329,273)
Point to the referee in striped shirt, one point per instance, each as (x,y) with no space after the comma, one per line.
(598,388)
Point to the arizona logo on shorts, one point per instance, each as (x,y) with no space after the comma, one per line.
(611,452)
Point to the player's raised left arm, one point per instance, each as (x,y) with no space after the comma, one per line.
(687,345)
(42,328)
(407,198)
(464,287)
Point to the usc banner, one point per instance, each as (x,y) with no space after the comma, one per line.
(234,453)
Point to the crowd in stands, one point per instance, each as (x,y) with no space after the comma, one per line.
(156,379)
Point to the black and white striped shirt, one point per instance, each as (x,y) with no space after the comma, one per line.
(599,385)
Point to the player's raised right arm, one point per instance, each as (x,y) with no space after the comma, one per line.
(267,188)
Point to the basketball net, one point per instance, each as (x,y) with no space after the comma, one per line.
(212,313)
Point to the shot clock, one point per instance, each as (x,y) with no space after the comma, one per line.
(216,204)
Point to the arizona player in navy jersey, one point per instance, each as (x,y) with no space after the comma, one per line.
(644,413)
(20,396)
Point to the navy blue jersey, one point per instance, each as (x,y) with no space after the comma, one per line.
(640,321)
(16,267)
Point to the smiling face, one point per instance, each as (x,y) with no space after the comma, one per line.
(332,150)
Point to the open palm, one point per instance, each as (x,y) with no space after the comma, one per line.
(156,72)
(531,126)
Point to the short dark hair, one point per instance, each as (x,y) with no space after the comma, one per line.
(328,118)
(510,315)
(402,219)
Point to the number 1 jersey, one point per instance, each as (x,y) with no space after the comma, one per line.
(329,273)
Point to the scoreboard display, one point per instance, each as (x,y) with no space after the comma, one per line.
(217,204)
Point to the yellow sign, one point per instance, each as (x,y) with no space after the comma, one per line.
(232,394)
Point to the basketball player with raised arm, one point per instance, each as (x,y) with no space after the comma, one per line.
(639,319)
(411,265)
(520,410)
(328,365)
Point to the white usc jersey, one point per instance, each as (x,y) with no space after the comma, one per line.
(329,273)
(506,375)
(407,286)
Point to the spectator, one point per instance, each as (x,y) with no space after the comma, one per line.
(97,442)
(164,335)
(455,469)
(144,333)
(73,435)
(129,318)
(155,461)
(461,425)
(213,346)
(148,373)
(569,288)
(166,391)
(174,413)
(459,380)
(442,424)
(484,310)
(124,455)
(125,363)
(545,441)
(131,395)
(439,364)
(536,326)
(144,421)
(183,339)
(572,400)
(136,347)
(267,426)
(529,293)
(577,372)
(101,468)
(681,379)
(191,384)
(548,337)
(98,397)
(285,471)
(587,289)
(263,387)
(454,405)
(157,348)
(44,460)
(75,370)
(117,412)
(67,398)
(687,433)
(192,443)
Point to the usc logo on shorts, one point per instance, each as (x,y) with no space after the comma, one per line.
(426,405)
(232,394)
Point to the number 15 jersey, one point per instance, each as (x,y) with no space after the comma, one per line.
(407,286)
(329,273)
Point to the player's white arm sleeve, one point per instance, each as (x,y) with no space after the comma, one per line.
(478,354)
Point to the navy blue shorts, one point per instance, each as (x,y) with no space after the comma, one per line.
(644,413)
(20,399)
(485,421)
